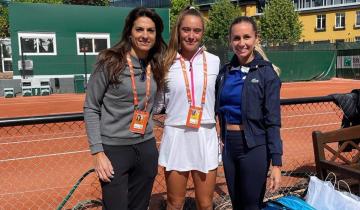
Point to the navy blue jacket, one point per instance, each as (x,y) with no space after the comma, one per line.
(260,106)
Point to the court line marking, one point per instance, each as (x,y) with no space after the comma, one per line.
(44,134)
(42,189)
(41,156)
(310,126)
(301,115)
(40,102)
(40,140)
(337,81)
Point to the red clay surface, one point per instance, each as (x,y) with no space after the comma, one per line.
(70,103)
(39,164)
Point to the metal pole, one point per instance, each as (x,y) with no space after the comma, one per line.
(1,56)
(85,48)
(22,58)
(85,68)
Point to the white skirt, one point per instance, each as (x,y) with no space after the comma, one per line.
(186,149)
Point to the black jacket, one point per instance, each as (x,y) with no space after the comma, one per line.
(260,105)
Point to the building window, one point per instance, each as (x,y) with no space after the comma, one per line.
(317,3)
(329,2)
(322,42)
(339,40)
(357,21)
(340,20)
(338,1)
(321,22)
(91,43)
(5,55)
(357,39)
(37,43)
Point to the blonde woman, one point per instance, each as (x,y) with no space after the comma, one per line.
(248,109)
(189,144)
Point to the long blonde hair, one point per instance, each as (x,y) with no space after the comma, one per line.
(260,50)
(174,43)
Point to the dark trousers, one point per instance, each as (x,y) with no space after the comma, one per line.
(245,171)
(135,168)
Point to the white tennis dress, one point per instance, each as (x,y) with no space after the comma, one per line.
(183,148)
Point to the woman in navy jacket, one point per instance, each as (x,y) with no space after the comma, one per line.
(248,110)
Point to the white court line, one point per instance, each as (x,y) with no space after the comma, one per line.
(39,190)
(301,115)
(73,132)
(41,156)
(310,126)
(330,81)
(40,140)
(40,102)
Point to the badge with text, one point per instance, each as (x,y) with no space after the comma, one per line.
(139,122)
(194,117)
(140,118)
(195,112)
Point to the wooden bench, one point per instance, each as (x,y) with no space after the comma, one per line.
(329,156)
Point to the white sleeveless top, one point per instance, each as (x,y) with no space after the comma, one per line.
(176,103)
(182,148)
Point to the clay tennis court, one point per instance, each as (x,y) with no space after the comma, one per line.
(70,103)
(39,164)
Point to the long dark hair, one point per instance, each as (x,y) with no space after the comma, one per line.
(113,60)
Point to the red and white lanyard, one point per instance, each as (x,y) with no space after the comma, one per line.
(191,96)
(148,83)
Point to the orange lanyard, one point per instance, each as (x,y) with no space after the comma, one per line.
(191,100)
(148,83)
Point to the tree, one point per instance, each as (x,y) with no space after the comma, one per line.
(4,21)
(88,2)
(280,27)
(221,14)
(176,7)
(41,1)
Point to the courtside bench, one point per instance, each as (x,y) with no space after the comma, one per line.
(330,155)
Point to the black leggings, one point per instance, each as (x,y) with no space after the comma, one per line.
(135,168)
(245,171)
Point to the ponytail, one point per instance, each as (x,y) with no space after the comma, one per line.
(259,49)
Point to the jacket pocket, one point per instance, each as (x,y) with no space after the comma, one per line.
(254,99)
(256,126)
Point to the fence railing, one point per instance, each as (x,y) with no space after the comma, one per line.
(41,158)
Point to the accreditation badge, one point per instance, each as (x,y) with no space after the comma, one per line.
(194,117)
(139,122)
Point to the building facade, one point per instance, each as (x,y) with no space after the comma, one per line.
(329,21)
(324,21)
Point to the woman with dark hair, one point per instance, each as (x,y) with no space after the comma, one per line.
(248,109)
(189,144)
(122,89)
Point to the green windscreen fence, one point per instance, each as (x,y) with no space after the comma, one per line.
(348,63)
(297,63)
(304,65)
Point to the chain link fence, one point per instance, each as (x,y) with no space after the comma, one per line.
(45,161)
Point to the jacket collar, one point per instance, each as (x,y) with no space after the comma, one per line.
(254,64)
(198,52)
